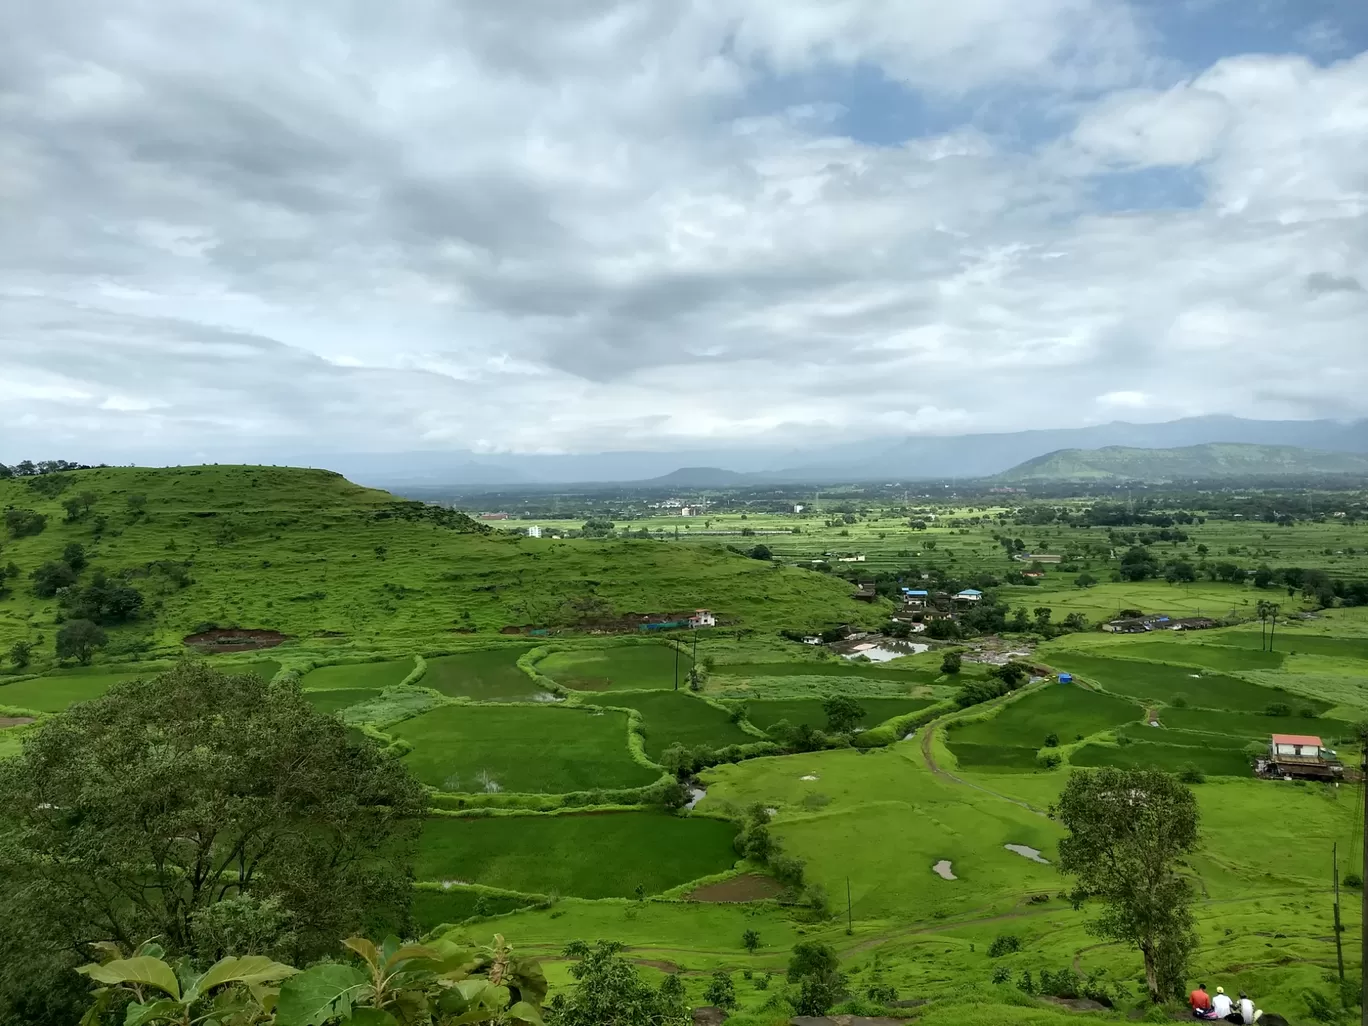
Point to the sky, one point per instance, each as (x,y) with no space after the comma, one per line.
(233,230)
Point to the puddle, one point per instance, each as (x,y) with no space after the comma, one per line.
(1196,675)
(1027,852)
(942,870)
(547,696)
(449,884)
(771,812)
(810,776)
(882,654)
(1154,723)
(695,796)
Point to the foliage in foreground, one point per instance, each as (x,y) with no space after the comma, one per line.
(216,813)
(609,991)
(1128,829)
(394,984)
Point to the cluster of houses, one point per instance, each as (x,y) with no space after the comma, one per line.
(940,604)
(1159,622)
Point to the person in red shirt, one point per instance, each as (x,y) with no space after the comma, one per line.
(1200,1002)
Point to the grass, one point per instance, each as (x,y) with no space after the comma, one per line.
(490,675)
(831,668)
(1296,641)
(1202,649)
(336,701)
(1168,757)
(53,694)
(1160,682)
(432,908)
(1061,709)
(531,749)
(367,676)
(678,717)
(1002,757)
(588,855)
(619,667)
(764,713)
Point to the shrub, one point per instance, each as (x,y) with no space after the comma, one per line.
(1278,709)
(1179,701)
(1052,740)
(24,522)
(721,991)
(1001,974)
(1353,880)
(952,662)
(79,639)
(1004,944)
(1049,760)
(1191,773)
(1307,713)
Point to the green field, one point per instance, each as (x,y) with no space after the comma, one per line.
(52,694)
(589,855)
(336,701)
(531,749)
(831,668)
(432,908)
(1255,727)
(491,675)
(369,676)
(1207,650)
(1296,641)
(1213,761)
(678,717)
(619,668)
(988,756)
(1061,709)
(1160,682)
(765,713)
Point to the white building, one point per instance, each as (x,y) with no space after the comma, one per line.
(798,508)
(534,531)
(702,618)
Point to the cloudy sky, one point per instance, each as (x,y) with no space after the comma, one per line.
(540,225)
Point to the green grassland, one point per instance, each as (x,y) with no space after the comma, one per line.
(451,904)
(1171,758)
(370,676)
(533,749)
(765,713)
(308,553)
(833,668)
(491,675)
(343,698)
(678,717)
(587,855)
(1253,726)
(625,667)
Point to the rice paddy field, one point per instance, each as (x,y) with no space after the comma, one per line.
(677,717)
(624,667)
(490,675)
(523,749)
(372,676)
(765,713)
(567,854)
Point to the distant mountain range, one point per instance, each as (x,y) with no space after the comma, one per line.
(1192,462)
(887,459)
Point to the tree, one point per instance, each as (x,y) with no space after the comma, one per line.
(608,991)
(196,787)
(750,940)
(78,639)
(1128,830)
(1084,580)
(104,600)
(761,552)
(1138,564)
(20,653)
(51,578)
(137,504)
(721,991)
(74,556)
(815,968)
(21,523)
(843,714)
(951,662)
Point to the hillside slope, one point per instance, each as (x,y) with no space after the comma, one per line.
(308,553)
(1217,460)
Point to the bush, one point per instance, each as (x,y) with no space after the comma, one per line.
(1001,974)
(1179,701)
(952,662)
(1051,740)
(721,991)
(1049,760)
(1278,709)
(1004,944)
(1191,773)
(1353,880)
(1307,713)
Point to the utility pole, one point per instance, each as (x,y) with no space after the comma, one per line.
(850,920)
(1339,948)
(676,652)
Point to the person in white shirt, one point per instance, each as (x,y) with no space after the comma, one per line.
(1247,1013)
(1220,1004)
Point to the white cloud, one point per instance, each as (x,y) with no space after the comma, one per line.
(607,225)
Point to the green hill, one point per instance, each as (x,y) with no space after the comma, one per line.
(1193,462)
(309,554)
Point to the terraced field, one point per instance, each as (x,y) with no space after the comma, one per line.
(588,855)
(625,667)
(678,717)
(490,675)
(1180,684)
(765,713)
(521,748)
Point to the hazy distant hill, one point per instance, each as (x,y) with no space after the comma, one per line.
(701,477)
(1193,462)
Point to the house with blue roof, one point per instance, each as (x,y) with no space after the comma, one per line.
(969,595)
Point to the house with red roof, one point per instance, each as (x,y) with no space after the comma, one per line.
(1299,756)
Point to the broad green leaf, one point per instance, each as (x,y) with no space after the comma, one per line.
(316,995)
(524,1011)
(151,972)
(372,1017)
(364,948)
(139,1014)
(106,951)
(247,969)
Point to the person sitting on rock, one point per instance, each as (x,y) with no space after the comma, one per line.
(1221,1005)
(1200,1001)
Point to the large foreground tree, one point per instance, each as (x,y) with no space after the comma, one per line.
(202,809)
(1128,833)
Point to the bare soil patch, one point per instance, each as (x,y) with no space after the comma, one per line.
(234,639)
(14,721)
(747,887)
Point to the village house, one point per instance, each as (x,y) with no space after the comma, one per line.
(865,592)
(534,531)
(1193,623)
(914,598)
(1302,756)
(702,618)
(969,595)
(493,516)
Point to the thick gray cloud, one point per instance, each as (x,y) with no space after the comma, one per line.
(536,225)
